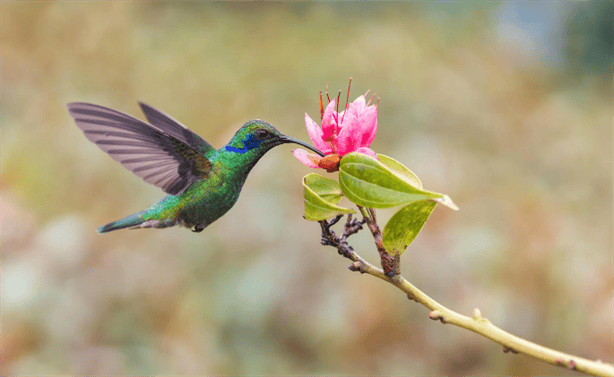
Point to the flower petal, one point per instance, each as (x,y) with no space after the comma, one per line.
(359,104)
(315,133)
(330,125)
(308,159)
(349,137)
(368,120)
(367,151)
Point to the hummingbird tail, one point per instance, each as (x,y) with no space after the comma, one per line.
(127,222)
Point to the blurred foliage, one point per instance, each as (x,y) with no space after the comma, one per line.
(474,99)
(590,38)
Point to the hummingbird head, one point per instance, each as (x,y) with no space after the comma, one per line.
(258,134)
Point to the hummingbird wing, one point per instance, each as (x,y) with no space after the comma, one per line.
(161,156)
(174,128)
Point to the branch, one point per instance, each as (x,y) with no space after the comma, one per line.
(477,323)
(391,266)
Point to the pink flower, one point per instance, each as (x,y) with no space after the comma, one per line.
(352,130)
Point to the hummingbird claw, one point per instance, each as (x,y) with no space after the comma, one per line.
(199,228)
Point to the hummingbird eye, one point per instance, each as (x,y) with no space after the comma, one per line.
(263,134)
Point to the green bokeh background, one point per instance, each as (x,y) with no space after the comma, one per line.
(505,107)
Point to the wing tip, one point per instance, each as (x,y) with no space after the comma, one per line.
(73,104)
(81,105)
(146,108)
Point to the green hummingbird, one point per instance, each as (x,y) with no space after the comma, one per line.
(202,183)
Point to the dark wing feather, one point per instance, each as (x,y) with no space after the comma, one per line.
(161,156)
(176,129)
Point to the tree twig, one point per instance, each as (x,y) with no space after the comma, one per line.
(476,323)
(390,265)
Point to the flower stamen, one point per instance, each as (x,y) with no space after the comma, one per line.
(347,100)
(337,112)
(321,107)
(338,98)
(327,97)
(370,99)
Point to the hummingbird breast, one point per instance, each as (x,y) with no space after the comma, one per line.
(206,201)
(201,204)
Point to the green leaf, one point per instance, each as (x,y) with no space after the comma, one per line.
(321,196)
(400,170)
(404,226)
(379,184)
(327,189)
(446,201)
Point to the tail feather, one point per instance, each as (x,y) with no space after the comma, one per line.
(127,222)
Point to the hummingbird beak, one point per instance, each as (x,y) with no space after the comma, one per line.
(287,139)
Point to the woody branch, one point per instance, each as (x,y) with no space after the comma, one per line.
(476,323)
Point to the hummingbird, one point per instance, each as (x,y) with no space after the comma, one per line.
(202,183)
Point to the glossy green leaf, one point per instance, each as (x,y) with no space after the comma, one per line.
(321,196)
(326,188)
(400,170)
(369,182)
(446,201)
(404,226)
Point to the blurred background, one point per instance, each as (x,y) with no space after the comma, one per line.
(504,107)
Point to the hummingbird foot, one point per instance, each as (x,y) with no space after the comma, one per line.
(199,228)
